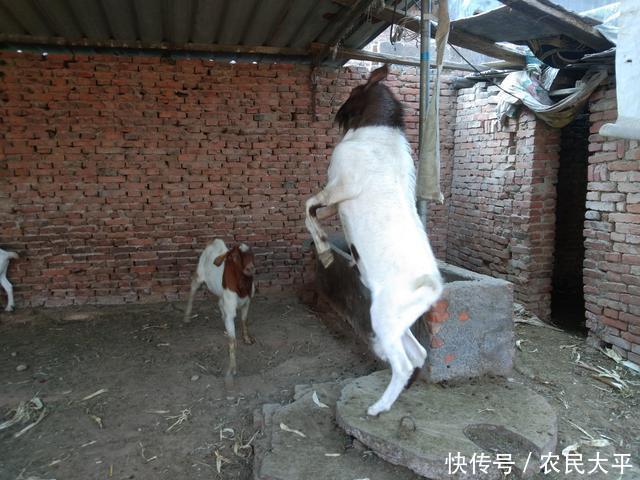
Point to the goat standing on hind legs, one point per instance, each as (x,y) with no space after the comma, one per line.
(228,274)
(371,181)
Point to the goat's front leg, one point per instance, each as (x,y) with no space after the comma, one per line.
(244,312)
(328,199)
(228,306)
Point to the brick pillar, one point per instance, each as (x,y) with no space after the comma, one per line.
(612,233)
(503,196)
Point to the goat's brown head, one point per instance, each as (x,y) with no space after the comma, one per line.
(241,257)
(371,104)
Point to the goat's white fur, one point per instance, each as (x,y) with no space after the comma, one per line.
(372,180)
(228,301)
(5,257)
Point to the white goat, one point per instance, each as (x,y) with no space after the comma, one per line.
(371,180)
(228,274)
(4,281)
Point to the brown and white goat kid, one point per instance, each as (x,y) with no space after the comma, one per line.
(371,182)
(228,274)
(5,257)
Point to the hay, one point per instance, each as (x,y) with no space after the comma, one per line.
(180,419)
(94,394)
(317,401)
(32,411)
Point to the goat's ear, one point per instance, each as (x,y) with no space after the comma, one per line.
(234,253)
(378,75)
(218,261)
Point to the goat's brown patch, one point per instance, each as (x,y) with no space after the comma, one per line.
(371,104)
(238,271)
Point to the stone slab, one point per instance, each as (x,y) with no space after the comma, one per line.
(430,422)
(282,455)
(468,332)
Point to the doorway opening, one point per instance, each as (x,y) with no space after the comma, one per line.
(567,297)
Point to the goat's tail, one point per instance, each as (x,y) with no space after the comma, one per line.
(12,255)
(195,285)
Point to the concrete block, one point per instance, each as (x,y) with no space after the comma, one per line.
(467,333)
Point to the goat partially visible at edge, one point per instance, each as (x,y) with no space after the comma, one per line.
(5,257)
(371,183)
(228,274)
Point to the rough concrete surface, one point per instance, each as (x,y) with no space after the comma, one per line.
(469,331)
(325,453)
(429,422)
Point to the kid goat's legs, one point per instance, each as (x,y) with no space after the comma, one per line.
(228,309)
(244,312)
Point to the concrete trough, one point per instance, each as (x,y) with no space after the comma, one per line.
(467,333)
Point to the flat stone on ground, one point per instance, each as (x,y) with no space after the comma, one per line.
(324,453)
(429,422)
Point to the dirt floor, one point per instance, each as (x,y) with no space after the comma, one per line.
(154,369)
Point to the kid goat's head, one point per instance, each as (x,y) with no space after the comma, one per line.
(241,257)
(371,104)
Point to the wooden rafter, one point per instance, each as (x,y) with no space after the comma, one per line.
(570,24)
(354,54)
(358,8)
(456,37)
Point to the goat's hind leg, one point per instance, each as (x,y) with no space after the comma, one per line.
(195,285)
(416,353)
(6,284)
(389,330)
(401,369)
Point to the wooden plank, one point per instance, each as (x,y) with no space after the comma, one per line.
(571,24)
(456,37)
(354,54)
(193,47)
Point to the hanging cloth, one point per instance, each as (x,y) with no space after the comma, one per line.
(428,179)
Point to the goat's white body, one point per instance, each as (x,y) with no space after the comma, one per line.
(229,301)
(5,257)
(371,179)
(382,221)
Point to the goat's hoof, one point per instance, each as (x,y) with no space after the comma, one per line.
(9,309)
(229,380)
(375,409)
(248,340)
(326,258)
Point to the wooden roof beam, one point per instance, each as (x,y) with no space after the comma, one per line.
(162,46)
(568,22)
(357,9)
(354,54)
(456,37)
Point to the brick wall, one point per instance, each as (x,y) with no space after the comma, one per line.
(115,171)
(501,218)
(612,232)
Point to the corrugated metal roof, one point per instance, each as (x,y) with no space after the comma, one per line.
(184,25)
